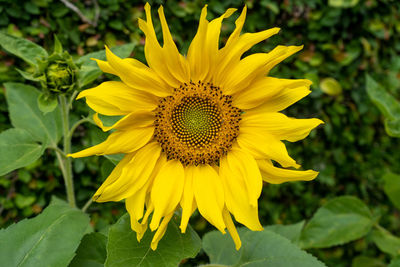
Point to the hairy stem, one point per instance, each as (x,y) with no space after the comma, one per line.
(66,162)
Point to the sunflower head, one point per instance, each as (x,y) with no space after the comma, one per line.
(200,131)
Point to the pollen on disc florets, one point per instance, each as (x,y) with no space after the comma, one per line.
(197,124)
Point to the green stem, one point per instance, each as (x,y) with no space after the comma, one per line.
(57,149)
(76,124)
(69,182)
(87,204)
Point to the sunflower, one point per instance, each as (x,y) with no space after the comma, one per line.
(201,131)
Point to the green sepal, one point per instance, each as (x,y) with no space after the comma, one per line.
(47,102)
(57,45)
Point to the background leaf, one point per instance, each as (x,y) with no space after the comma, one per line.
(91,252)
(386,242)
(18,149)
(89,71)
(341,220)
(392,187)
(263,248)
(25,114)
(22,48)
(363,261)
(50,239)
(291,231)
(387,104)
(123,248)
(395,263)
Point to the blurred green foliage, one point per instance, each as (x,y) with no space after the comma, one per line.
(343,40)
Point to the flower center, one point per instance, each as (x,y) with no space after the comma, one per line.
(197,124)
(196,121)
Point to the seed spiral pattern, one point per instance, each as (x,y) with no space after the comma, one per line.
(196,121)
(197,124)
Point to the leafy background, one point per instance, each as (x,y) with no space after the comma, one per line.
(343,41)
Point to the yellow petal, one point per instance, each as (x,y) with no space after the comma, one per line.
(161,231)
(230,55)
(187,200)
(212,41)
(282,100)
(134,175)
(176,63)
(279,125)
(156,57)
(105,66)
(199,64)
(167,190)
(141,78)
(239,26)
(209,195)
(237,197)
(264,146)
(115,174)
(275,175)
(126,141)
(231,228)
(268,90)
(116,98)
(134,119)
(254,66)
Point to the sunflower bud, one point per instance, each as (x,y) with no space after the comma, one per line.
(60,77)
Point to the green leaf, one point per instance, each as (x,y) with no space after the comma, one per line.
(24,201)
(331,87)
(263,248)
(47,103)
(89,71)
(25,114)
(386,242)
(363,261)
(220,248)
(91,252)
(395,263)
(343,3)
(387,104)
(18,149)
(341,220)
(291,231)
(49,239)
(124,250)
(22,48)
(57,45)
(392,187)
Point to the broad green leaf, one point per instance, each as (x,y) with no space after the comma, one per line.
(330,86)
(89,71)
(341,220)
(91,252)
(395,263)
(22,48)
(392,187)
(387,104)
(25,114)
(291,231)
(386,242)
(363,261)
(18,149)
(258,249)
(220,248)
(49,239)
(123,248)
